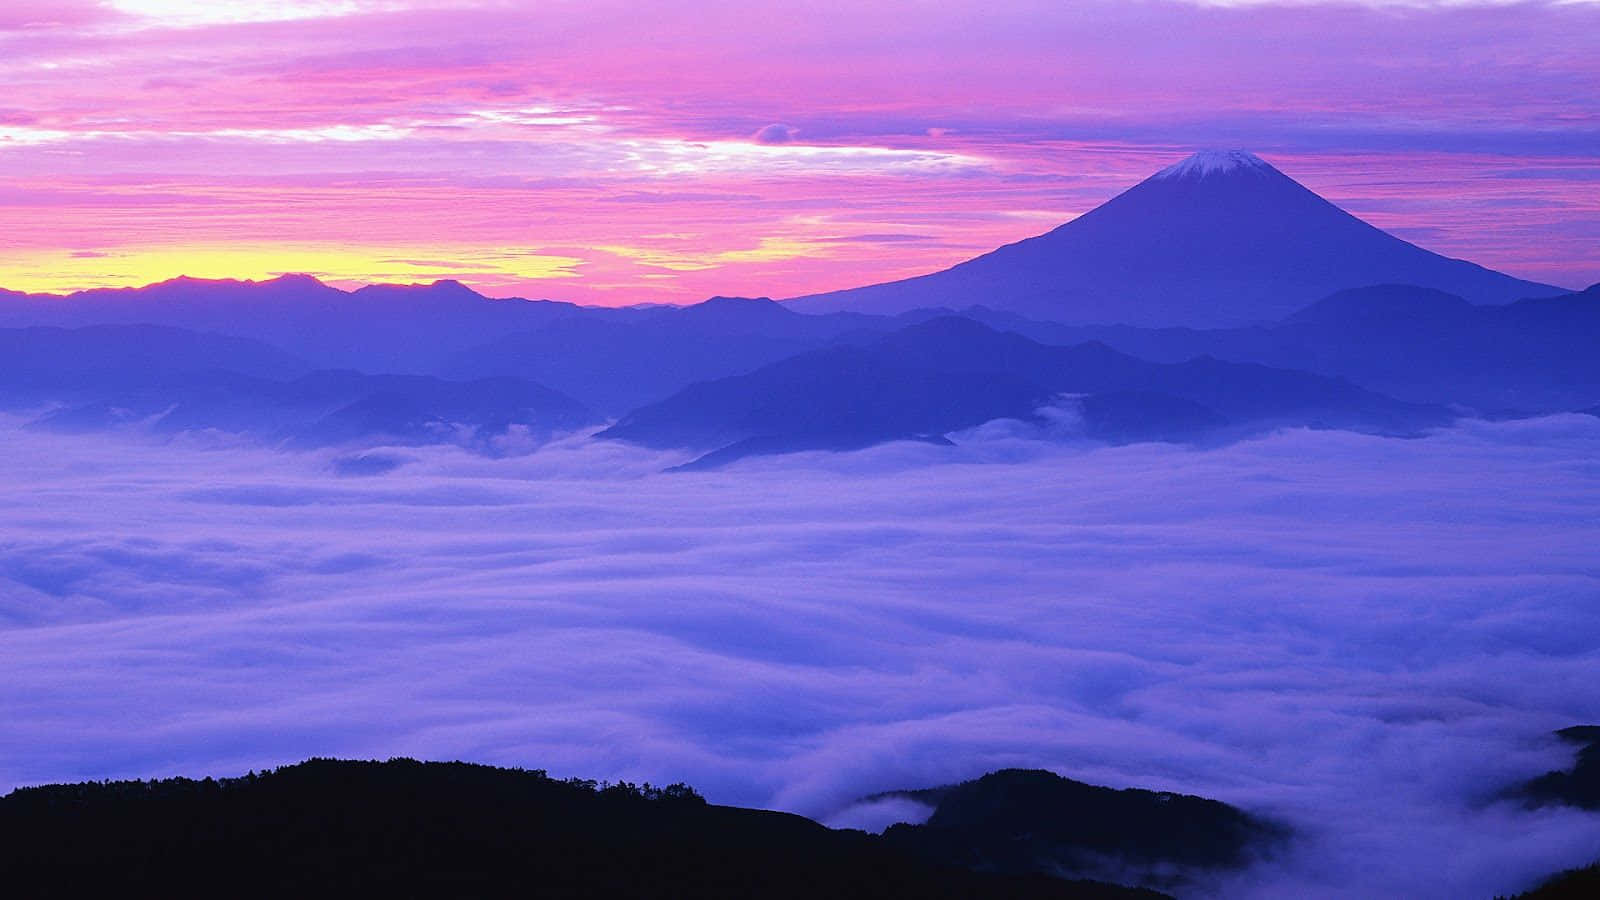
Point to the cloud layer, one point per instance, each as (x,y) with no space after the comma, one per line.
(1362,636)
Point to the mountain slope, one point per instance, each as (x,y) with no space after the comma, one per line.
(1578,786)
(1028,820)
(328,828)
(951,373)
(380,328)
(618,361)
(613,359)
(324,408)
(1220,239)
(45,363)
(1418,344)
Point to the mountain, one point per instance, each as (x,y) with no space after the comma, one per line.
(1418,344)
(39,364)
(1021,821)
(950,373)
(1576,884)
(379,328)
(611,359)
(618,361)
(324,408)
(1578,786)
(331,828)
(1220,239)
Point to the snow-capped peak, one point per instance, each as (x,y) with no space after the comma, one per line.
(1215,162)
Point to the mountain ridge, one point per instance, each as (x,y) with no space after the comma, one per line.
(1214,240)
(339,828)
(949,374)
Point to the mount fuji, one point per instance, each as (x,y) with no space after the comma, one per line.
(1220,239)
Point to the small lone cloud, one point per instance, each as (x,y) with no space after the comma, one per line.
(367,464)
(90,254)
(775,133)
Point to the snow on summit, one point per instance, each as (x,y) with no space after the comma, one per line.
(1215,162)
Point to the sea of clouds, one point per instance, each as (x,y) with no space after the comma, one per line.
(1363,637)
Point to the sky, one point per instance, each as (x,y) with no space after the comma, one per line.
(620,152)
(615,152)
(1365,638)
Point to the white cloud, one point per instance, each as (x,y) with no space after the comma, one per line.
(1361,636)
(193,13)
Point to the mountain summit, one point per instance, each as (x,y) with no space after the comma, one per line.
(1220,239)
(1216,162)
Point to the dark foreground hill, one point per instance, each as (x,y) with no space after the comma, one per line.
(1578,786)
(1577,884)
(1023,820)
(329,828)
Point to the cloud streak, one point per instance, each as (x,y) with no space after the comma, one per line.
(1362,636)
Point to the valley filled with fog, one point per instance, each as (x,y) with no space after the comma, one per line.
(947,450)
(1364,637)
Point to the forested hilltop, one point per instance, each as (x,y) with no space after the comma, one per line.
(404,828)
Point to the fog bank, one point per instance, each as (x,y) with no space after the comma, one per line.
(1364,637)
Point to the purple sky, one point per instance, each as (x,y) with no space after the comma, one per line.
(622,152)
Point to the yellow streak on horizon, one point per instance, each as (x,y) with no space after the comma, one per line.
(767,249)
(60,271)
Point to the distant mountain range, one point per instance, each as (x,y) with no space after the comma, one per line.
(1221,239)
(380,328)
(1323,321)
(951,373)
(1417,344)
(612,359)
(619,360)
(737,377)
(170,380)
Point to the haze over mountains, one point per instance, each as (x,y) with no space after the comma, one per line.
(949,374)
(1220,239)
(1350,328)
(733,377)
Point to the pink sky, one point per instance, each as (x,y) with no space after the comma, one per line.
(626,152)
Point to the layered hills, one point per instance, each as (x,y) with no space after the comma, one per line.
(951,373)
